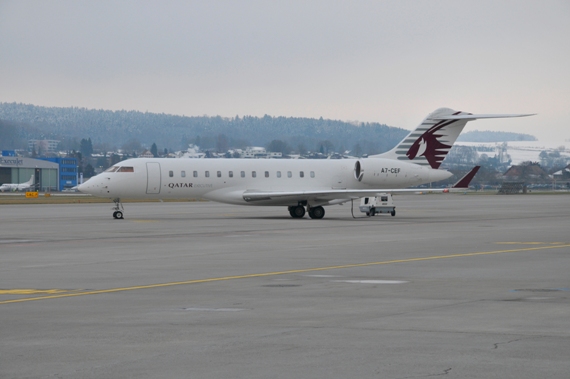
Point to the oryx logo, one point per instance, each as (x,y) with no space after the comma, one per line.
(429,146)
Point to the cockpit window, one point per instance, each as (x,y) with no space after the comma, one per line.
(126,169)
(112,169)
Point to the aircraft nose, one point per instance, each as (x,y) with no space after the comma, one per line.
(81,187)
(85,188)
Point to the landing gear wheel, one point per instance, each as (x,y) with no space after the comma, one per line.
(297,212)
(372,212)
(393,213)
(317,212)
(118,209)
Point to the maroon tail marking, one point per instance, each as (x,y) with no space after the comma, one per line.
(435,151)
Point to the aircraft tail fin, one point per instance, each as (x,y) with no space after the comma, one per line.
(433,138)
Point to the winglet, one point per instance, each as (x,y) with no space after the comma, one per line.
(465,180)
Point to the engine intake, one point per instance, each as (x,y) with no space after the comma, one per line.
(358,171)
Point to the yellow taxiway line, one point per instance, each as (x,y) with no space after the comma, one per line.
(275,273)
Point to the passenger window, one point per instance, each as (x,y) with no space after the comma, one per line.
(171,173)
(195,174)
(301,174)
(242,174)
(207,174)
(278,174)
(231,174)
(289,174)
(183,174)
(267,174)
(219,174)
(312,174)
(253,174)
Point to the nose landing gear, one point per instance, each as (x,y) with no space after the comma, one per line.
(118,209)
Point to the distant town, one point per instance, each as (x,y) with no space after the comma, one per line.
(75,144)
(70,168)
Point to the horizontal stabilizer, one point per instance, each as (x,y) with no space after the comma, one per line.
(477,116)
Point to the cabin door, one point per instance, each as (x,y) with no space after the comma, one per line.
(152,177)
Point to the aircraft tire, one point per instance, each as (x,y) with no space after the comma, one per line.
(393,213)
(115,214)
(297,212)
(119,215)
(317,213)
(291,211)
(372,211)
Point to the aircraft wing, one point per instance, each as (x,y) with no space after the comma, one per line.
(341,195)
(465,180)
(327,195)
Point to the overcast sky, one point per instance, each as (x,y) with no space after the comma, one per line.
(391,62)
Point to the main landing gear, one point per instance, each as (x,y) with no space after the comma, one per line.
(118,209)
(314,212)
(297,212)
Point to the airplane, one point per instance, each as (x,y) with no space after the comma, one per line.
(301,185)
(18,187)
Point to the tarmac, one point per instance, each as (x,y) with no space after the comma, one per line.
(454,286)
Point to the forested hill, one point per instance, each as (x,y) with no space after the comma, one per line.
(492,136)
(116,128)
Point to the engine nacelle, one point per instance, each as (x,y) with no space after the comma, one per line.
(358,171)
(389,173)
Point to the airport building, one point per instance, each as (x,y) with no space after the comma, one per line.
(50,174)
(67,171)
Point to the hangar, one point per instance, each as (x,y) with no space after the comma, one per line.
(19,170)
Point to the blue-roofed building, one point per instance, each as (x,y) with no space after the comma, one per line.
(67,171)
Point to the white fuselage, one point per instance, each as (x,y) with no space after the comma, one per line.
(226,180)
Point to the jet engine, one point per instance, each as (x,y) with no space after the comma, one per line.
(389,173)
